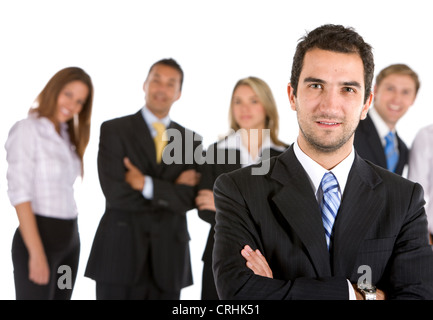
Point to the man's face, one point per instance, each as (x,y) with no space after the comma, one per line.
(329,100)
(393,97)
(162,89)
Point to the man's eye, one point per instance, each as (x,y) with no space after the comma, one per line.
(316,86)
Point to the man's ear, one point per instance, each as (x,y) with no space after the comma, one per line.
(367,106)
(292,97)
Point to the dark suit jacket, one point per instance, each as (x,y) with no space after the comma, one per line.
(381,223)
(135,231)
(368,145)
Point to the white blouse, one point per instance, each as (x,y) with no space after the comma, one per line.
(42,167)
(234,141)
(421,167)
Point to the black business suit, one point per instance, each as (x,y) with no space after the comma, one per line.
(369,146)
(135,233)
(381,223)
(222,159)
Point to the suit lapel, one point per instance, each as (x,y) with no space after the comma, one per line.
(144,139)
(297,203)
(403,155)
(359,208)
(374,142)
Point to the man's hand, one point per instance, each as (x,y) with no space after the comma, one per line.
(133,176)
(188,177)
(205,200)
(256,262)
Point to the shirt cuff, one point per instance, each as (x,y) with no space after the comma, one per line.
(352,294)
(148,188)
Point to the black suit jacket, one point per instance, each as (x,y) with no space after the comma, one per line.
(381,223)
(368,145)
(135,231)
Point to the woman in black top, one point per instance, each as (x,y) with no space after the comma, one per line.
(253,137)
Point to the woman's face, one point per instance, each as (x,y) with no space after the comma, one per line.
(248,111)
(71,100)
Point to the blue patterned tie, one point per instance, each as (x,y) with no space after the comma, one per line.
(390,152)
(330,204)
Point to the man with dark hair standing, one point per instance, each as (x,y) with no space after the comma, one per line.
(323,223)
(141,247)
(376,138)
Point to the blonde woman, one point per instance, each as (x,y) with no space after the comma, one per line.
(45,156)
(253,137)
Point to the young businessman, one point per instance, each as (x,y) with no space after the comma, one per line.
(323,218)
(376,138)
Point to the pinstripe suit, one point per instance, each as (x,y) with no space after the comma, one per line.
(136,233)
(381,223)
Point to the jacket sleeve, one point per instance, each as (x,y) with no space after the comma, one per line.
(173,197)
(111,170)
(411,265)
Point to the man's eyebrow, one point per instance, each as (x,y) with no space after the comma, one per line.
(311,79)
(352,84)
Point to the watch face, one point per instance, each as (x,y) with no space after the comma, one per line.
(368,290)
(367,287)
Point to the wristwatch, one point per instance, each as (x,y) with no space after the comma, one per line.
(367,290)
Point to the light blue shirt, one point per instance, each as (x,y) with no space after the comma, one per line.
(150,118)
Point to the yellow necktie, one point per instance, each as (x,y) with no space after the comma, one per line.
(159,140)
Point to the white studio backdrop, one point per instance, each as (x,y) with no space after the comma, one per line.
(215,42)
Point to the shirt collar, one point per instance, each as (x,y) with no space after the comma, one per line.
(381,127)
(49,127)
(150,118)
(315,171)
(234,141)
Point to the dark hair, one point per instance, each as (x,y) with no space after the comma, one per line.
(335,38)
(170,63)
(79,127)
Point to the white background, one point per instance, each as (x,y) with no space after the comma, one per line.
(215,42)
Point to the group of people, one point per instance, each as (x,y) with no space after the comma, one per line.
(326,204)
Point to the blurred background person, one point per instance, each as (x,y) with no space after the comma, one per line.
(140,250)
(421,169)
(376,138)
(253,118)
(45,156)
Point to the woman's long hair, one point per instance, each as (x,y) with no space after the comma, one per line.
(265,96)
(79,126)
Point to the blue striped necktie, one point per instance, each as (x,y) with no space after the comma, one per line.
(330,203)
(390,152)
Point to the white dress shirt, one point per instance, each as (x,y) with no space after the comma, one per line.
(234,141)
(382,128)
(421,167)
(315,173)
(42,167)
